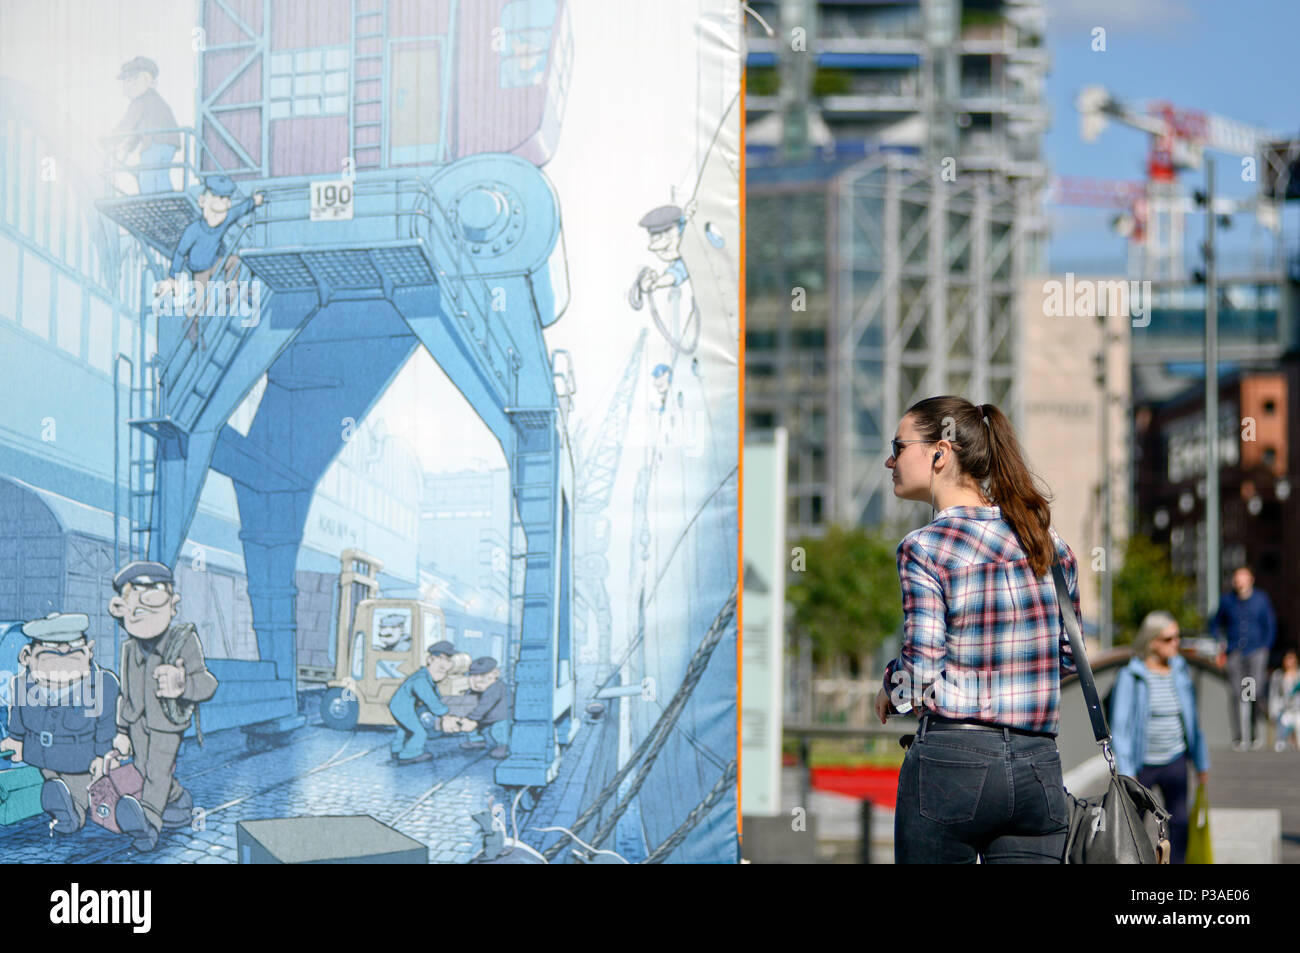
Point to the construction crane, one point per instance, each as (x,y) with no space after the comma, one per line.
(596,468)
(1178,140)
(1129,198)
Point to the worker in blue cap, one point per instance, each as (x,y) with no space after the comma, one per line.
(149,125)
(199,250)
(64,715)
(409,739)
(665,225)
(164,678)
(491,714)
(663,381)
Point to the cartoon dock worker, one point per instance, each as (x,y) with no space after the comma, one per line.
(200,248)
(391,634)
(64,716)
(663,381)
(164,677)
(665,226)
(149,125)
(409,739)
(491,716)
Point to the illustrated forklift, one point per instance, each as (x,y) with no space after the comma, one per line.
(379,643)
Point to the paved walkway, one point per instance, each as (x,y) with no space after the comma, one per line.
(1260,779)
(321,772)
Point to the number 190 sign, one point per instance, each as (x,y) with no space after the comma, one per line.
(331,201)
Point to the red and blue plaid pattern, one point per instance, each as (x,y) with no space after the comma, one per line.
(982,638)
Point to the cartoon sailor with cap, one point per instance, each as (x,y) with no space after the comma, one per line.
(64,714)
(663,381)
(409,739)
(200,247)
(665,226)
(164,677)
(491,716)
(148,125)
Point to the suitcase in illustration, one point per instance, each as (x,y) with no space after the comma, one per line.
(107,791)
(20,791)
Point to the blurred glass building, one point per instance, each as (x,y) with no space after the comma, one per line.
(894,202)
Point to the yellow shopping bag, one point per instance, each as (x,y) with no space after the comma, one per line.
(1199,850)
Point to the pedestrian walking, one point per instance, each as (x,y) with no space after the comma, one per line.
(1284,702)
(1247,628)
(984,645)
(1154,727)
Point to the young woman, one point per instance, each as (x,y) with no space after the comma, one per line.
(1153,723)
(984,645)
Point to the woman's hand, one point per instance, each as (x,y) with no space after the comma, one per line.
(1202,777)
(883,706)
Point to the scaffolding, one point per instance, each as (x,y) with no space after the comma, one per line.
(926,273)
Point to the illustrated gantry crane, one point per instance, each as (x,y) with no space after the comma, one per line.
(1179,139)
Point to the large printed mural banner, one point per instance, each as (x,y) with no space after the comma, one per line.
(369,463)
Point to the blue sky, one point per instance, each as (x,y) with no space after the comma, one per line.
(1237,58)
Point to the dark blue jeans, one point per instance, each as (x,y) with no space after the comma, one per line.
(993,795)
(1171,779)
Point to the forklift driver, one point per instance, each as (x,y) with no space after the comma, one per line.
(391,634)
(409,739)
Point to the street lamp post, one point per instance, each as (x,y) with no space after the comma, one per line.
(1107,613)
(1212,541)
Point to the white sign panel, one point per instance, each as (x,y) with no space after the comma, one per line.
(331,201)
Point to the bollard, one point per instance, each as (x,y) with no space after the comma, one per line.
(865,843)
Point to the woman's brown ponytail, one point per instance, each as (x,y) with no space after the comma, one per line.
(987,449)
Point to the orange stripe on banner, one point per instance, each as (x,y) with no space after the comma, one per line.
(740,494)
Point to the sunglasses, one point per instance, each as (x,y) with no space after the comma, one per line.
(897,445)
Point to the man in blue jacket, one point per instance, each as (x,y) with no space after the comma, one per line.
(1246,622)
(64,715)
(201,246)
(408,741)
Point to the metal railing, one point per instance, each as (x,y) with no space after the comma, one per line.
(187,160)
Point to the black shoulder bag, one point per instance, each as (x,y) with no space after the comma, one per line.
(1111,828)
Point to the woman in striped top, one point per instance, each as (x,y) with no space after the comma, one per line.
(1154,725)
(984,645)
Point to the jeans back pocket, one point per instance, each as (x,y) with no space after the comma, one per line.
(950,789)
(1048,773)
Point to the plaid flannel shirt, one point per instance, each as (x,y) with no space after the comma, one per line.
(982,638)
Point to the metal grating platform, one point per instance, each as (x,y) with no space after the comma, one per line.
(404,265)
(532,419)
(281,271)
(350,269)
(158,219)
(345,269)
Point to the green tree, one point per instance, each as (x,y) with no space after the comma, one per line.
(845,594)
(1147,582)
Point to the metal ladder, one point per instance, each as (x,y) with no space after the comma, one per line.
(195,367)
(141,466)
(518,537)
(368,28)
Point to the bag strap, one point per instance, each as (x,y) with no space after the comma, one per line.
(1100,730)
